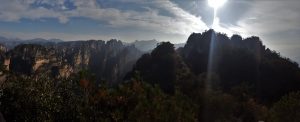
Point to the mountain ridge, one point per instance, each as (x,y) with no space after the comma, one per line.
(225,62)
(212,78)
(108,60)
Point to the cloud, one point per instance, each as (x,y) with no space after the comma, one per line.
(267,17)
(181,22)
(277,23)
(14,10)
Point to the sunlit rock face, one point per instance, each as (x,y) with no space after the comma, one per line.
(27,58)
(2,48)
(3,58)
(108,61)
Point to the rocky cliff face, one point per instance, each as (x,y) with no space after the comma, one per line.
(3,58)
(108,61)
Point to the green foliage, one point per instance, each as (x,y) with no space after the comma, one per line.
(287,109)
(38,99)
(43,99)
(157,106)
(216,106)
(159,67)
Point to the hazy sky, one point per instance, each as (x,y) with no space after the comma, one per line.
(277,22)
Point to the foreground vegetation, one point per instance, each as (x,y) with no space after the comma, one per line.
(82,99)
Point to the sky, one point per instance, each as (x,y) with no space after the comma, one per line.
(276,22)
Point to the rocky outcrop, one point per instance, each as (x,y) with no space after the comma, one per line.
(28,58)
(108,61)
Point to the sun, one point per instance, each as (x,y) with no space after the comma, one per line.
(216,3)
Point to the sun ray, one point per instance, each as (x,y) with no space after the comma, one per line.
(215,4)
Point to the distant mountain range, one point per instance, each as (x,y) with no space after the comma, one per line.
(148,45)
(13,42)
(142,45)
